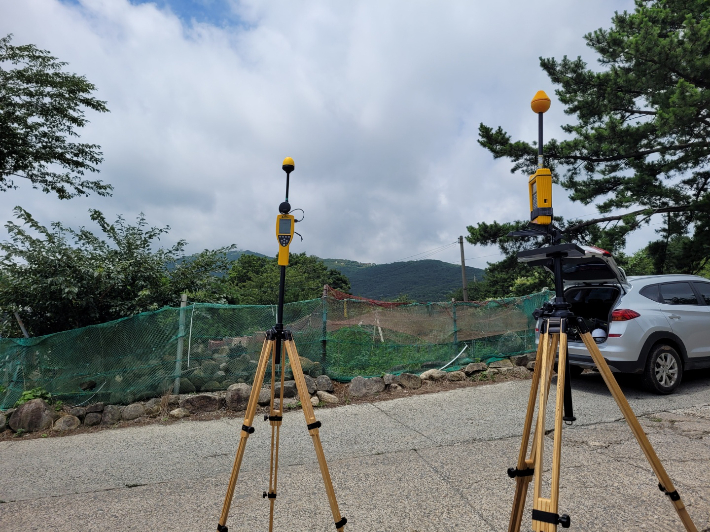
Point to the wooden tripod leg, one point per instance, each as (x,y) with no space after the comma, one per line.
(523,464)
(275,419)
(543,506)
(313,430)
(539,441)
(544,363)
(266,352)
(664,480)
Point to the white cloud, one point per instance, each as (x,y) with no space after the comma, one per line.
(377,102)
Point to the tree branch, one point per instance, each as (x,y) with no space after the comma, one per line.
(637,154)
(649,212)
(636,111)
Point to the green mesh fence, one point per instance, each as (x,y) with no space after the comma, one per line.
(208,347)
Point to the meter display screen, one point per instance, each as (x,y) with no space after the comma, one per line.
(285,226)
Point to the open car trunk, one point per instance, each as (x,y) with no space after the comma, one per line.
(594,304)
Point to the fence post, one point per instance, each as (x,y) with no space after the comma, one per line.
(456,329)
(324,332)
(181,337)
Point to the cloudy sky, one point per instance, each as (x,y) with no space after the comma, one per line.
(377,102)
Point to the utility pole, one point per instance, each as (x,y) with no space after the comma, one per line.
(463,271)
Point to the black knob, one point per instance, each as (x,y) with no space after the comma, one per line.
(565,521)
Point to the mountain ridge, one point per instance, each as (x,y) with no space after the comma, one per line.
(420,280)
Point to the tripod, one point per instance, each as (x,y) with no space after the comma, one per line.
(557,320)
(271,352)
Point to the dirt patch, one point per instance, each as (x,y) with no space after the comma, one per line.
(341,391)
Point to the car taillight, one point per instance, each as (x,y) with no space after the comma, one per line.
(602,251)
(624,314)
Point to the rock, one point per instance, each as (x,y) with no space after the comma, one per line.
(179,413)
(212,386)
(238,396)
(360,387)
(520,372)
(3,422)
(510,343)
(505,371)
(224,366)
(288,402)
(200,403)
(210,367)
(519,360)
(219,376)
(111,414)
(66,423)
(395,387)
(152,404)
(307,365)
(264,396)
(505,363)
(96,407)
(357,387)
(315,401)
(388,378)
(77,411)
(310,384)
(198,379)
(32,416)
(186,386)
(409,381)
(531,365)
(475,367)
(433,375)
(87,385)
(456,376)
(173,400)
(92,419)
(289,389)
(133,411)
(328,398)
(324,384)
(492,371)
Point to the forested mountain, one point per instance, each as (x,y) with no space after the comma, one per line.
(419,280)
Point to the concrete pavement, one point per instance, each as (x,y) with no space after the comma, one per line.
(424,463)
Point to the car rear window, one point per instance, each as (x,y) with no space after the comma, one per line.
(651,292)
(704,289)
(678,294)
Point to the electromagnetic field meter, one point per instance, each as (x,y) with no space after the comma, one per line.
(285,222)
(540,183)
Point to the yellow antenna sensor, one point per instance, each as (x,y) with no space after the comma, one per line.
(540,183)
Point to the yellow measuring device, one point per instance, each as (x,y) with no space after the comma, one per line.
(540,183)
(284,233)
(285,222)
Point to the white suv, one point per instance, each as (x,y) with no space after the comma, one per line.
(656,326)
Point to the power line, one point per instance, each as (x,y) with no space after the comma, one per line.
(428,252)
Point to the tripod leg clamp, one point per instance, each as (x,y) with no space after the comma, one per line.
(313,425)
(672,494)
(222,528)
(248,430)
(270,495)
(549,517)
(514,472)
(341,523)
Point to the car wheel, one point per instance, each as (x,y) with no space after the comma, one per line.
(664,370)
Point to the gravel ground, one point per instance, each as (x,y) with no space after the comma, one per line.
(430,462)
